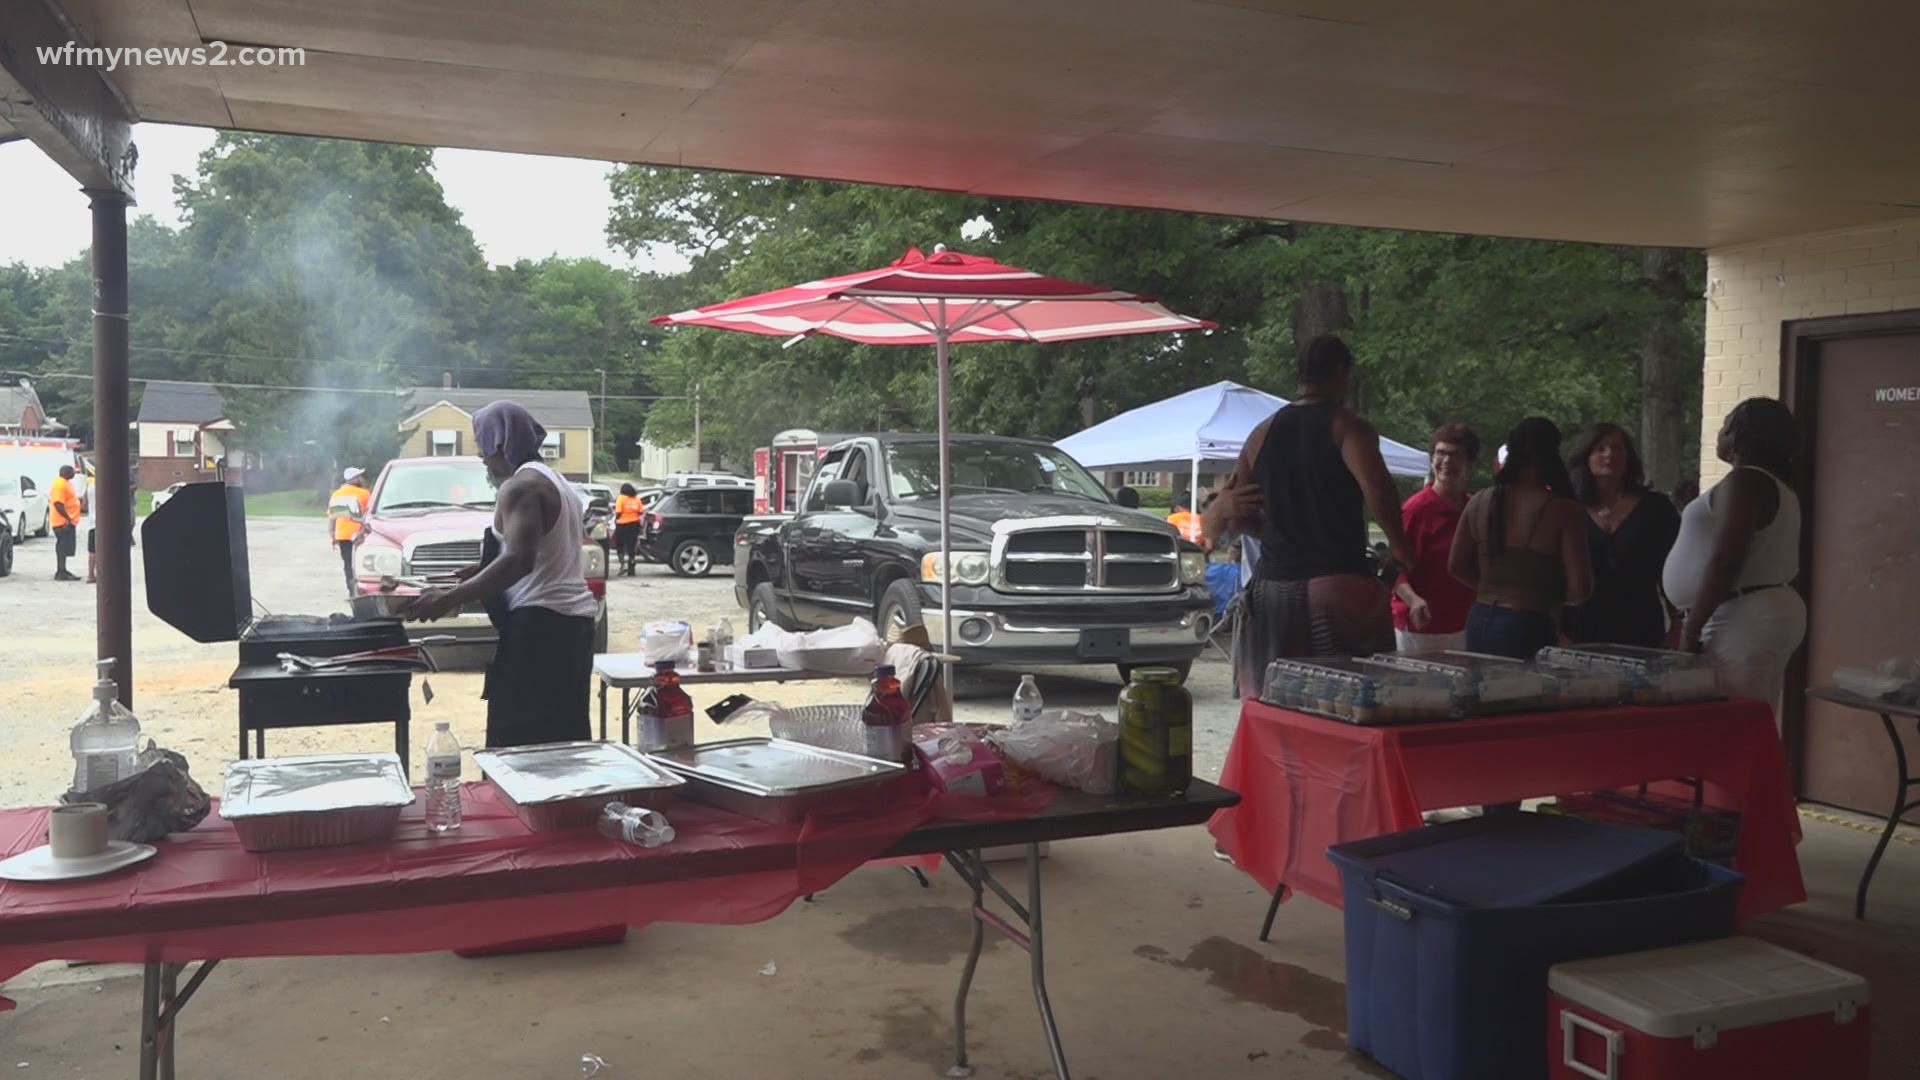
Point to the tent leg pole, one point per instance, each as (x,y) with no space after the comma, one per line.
(1193,492)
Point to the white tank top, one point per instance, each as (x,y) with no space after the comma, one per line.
(558,580)
(1773,557)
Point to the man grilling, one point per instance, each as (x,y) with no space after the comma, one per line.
(534,588)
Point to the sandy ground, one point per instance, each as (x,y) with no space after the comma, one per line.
(1153,964)
(1152,957)
(181,695)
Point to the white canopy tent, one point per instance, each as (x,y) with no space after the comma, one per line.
(1208,424)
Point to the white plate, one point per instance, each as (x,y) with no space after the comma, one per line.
(40,865)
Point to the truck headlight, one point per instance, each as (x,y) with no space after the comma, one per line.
(596,561)
(379,560)
(1193,568)
(969,568)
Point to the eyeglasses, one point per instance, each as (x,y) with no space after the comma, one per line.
(1442,453)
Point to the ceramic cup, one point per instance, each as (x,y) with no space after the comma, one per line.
(78,831)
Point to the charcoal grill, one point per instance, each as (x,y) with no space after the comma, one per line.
(199,582)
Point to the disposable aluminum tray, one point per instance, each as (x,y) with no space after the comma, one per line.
(318,801)
(1658,676)
(774,779)
(555,786)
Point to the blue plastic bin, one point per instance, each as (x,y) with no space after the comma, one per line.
(1451,929)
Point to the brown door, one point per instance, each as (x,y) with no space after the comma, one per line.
(1864,556)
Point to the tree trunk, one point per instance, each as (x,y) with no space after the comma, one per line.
(1670,362)
(1320,309)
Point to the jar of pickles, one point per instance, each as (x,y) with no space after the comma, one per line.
(1156,734)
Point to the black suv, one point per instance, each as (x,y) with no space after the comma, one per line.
(691,529)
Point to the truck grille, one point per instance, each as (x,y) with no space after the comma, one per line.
(434,560)
(1086,559)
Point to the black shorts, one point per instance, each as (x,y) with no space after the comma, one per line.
(63,540)
(89,541)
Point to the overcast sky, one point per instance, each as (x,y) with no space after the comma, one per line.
(47,224)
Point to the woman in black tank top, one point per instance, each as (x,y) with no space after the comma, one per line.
(1316,522)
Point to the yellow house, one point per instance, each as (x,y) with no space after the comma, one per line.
(439,423)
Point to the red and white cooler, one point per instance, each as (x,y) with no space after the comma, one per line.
(1732,1008)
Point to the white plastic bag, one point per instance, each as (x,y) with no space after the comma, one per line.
(853,649)
(1075,749)
(667,642)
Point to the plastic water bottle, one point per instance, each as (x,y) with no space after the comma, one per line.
(635,825)
(106,738)
(1026,701)
(443,780)
(723,646)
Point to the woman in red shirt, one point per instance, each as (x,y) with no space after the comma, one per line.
(1429,606)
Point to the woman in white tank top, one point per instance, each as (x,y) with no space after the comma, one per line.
(1733,565)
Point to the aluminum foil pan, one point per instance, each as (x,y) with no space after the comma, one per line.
(317,801)
(564,785)
(773,779)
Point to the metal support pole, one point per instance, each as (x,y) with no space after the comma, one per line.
(113,513)
(604,434)
(696,427)
(946,495)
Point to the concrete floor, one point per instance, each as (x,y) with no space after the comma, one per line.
(1154,972)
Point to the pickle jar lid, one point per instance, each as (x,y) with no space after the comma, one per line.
(1162,676)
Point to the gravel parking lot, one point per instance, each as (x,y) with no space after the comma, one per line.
(181,696)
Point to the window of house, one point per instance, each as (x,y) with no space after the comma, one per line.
(555,446)
(443,444)
(1143,479)
(180,444)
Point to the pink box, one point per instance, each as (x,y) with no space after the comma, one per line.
(958,761)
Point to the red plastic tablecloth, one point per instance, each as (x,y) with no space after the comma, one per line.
(1307,783)
(492,881)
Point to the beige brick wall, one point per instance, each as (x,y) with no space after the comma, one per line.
(1753,288)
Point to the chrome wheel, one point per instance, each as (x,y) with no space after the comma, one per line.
(693,560)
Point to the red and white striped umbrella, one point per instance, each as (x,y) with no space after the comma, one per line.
(942,299)
(919,299)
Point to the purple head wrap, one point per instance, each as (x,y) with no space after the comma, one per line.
(508,429)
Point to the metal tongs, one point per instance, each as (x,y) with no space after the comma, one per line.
(411,657)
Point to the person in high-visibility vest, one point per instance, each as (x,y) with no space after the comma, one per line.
(1184,519)
(346,509)
(63,513)
(628,508)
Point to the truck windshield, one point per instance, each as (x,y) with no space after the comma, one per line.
(431,487)
(913,470)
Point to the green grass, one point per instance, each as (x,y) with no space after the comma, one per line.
(285,504)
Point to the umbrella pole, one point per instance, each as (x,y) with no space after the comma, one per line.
(946,503)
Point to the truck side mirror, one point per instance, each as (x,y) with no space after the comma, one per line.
(841,494)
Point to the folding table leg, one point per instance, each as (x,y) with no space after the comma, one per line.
(1900,808)
(960,1067)
(603,710)
(1273,908)
(1038,956)
(161,1000)
(974,871)
(150,1012)
(169,991)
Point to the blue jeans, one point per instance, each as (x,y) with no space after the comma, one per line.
(1499,631)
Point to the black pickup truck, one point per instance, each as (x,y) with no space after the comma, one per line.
(1047,569)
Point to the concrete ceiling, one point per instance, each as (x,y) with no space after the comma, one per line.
(1697,123)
